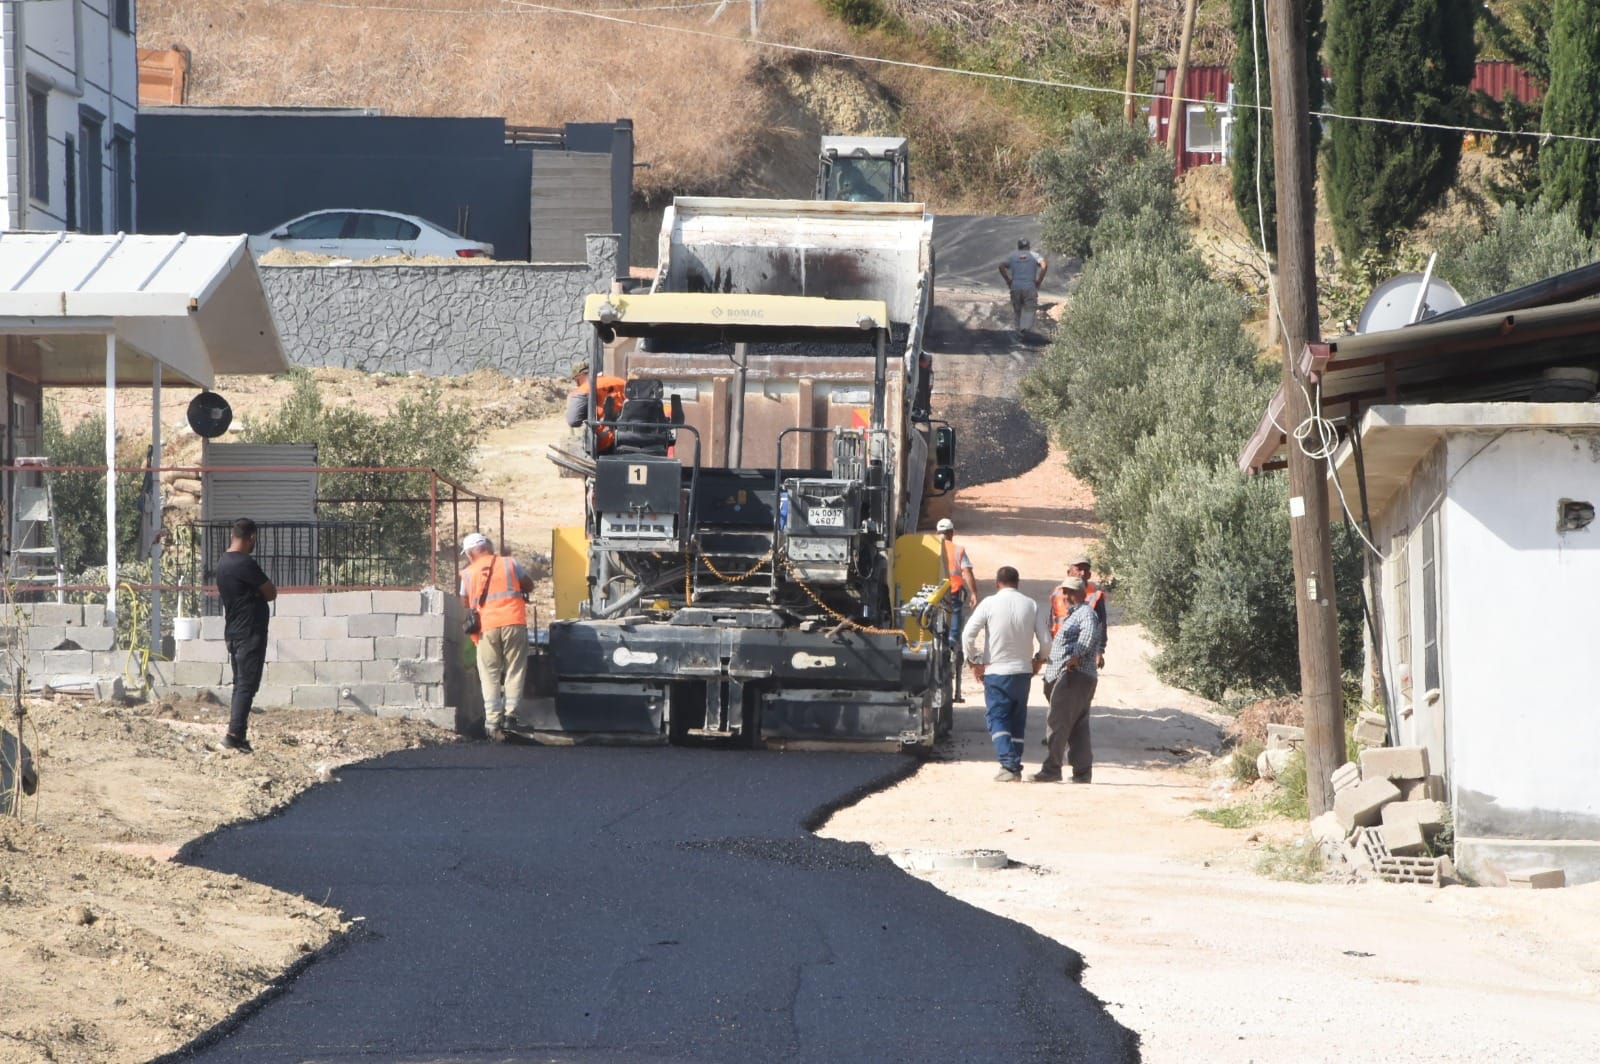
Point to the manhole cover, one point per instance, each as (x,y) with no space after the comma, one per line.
(936,860)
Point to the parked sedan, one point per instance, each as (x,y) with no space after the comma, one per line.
(364,234)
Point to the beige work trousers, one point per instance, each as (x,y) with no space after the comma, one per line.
(502,669)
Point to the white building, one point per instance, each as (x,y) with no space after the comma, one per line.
(70,105)
(1479,478)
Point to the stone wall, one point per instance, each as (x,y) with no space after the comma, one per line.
(524,319)
(394,653)
(65,646)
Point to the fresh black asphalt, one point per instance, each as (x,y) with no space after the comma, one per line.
(522,903)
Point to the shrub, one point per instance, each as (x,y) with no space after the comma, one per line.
(80,498)
(1105,169)
(1523,246)
(1569,170)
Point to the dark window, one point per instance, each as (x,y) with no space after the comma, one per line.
(326,226)
(71,173)
(122,181)
(122,15)
(91,176)
(1430,602)
(39,144)
(384,227)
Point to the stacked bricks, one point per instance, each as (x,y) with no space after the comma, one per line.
(380,652)
(1391,788)
(62,645)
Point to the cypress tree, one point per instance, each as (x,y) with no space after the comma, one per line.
(1242,141)
(1568,169)
(1398,59)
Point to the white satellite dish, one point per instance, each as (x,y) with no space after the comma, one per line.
(1394,303)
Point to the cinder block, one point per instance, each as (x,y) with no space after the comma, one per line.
(109,662)
(1362,805)
(400,694)
(212,627)
(431,695)
(433,601)
(340,672)
(1326,828)
(289,673)
(50,614)
(1372,729)
(161,674)
(351,649)
(380,672)
(1430,789)
(1428,815)
(1346,775)
(1285,737)
(348,603)
(297,650)
(307,605)
(274,696)
(398,647)
(329,628)
(1395,763)
(373,624)
(100,638)
(63,662)
(397,602)
(316,696)
(44,636)
(286,627)
(197,673)
(363,696)
(433,649)
(1404,839)
(418,671)
(419,626)
(1537,878)
(211,650)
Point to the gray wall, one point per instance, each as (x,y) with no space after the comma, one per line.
(522,319)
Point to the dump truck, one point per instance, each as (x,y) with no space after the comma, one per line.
(750,567)
(864,170)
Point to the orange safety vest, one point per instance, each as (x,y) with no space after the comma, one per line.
(1060,607)
(952,565)
(610,391)
(504,605)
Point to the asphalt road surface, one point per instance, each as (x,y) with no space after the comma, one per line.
(968,250)
(601,904)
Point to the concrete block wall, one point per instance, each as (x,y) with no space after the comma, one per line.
(524,319)
(67,646)
(394,653)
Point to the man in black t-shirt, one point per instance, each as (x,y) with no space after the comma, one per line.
(245,592)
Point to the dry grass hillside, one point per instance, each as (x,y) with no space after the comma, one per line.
(712,112)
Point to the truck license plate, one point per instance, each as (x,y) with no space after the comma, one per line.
(820,517)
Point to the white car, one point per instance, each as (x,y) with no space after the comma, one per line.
(361,234)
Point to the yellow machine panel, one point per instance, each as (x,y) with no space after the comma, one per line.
(918,560)
(569,567)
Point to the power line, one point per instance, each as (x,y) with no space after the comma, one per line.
(408,10)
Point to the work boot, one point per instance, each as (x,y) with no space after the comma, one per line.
(1043,776)
(1083,777)
(241,745)
(497,735)
(1006,775)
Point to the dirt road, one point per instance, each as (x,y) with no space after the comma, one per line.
(1186,943)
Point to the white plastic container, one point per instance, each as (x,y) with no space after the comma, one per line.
(185,628)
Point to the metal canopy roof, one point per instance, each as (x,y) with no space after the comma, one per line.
(1482,358)
(192,303)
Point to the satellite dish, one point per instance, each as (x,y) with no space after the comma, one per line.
(1394,302)
(209,415)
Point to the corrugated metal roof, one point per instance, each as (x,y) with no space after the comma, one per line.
(1501,77)
(193,303)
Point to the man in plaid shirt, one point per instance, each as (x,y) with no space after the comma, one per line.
(1071,677)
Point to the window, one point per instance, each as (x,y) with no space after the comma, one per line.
(1430,603)
(326,226)
(1400,563)
(39,144)
(122,181)
(70,153)
(91,166)
(122,15)
(384,227)
(1202,131)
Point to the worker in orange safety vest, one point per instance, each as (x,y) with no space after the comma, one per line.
(610,392)
(963,590)
(1094,598)
(497,589)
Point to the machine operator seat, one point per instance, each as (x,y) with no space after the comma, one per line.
(643,426)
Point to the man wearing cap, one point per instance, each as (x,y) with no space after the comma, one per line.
(498,589)
(611,391)
(1071,675)
(963,589)
(1012,624)
(1096,598)
(1024,272)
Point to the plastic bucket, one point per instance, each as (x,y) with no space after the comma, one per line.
(185,628)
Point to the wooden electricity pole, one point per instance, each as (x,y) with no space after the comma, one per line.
(1133,61)
(1315,607)
(1179,110)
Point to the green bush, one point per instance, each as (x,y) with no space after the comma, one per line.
(1569,170)
(1523,246)
(1106,170)
(862,14)
(80,498)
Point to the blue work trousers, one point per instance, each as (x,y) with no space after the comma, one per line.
(1007,699)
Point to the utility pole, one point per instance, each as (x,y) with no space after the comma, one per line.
(1133,59)
(1179,110)
(1315,608)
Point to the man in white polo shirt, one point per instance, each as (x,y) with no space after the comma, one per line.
(1017,641)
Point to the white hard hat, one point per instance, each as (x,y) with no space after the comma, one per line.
(945,525)
(473,541)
